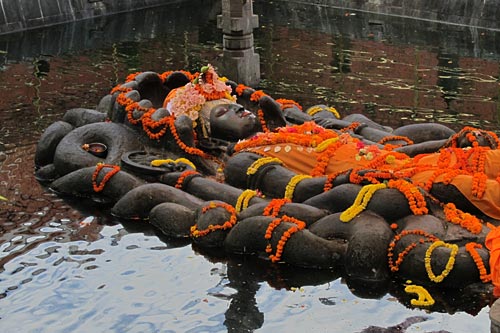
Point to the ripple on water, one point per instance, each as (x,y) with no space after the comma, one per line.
(59,289)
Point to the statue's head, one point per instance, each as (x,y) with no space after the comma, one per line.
(230,121)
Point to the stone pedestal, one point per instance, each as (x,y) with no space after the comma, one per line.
(495,317)
(240,62)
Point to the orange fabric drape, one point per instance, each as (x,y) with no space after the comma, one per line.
(302,160)
(493,244)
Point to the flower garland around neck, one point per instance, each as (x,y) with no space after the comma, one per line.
(182,178)
(449,264)
(424,297)
(483,274)
(292,184)
(98,187)
(362,199)
(255,166)
(416,199)
(394,265)
(318,108)
(244,199)
(308,134)
(224,226)
(274,206)
(463,219)
(299,225)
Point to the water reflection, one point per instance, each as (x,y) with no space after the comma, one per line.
(67,264)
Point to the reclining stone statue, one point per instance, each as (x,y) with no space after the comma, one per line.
(203,157)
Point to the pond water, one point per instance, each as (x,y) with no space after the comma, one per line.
(68,266)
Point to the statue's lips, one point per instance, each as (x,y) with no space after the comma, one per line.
(245,114)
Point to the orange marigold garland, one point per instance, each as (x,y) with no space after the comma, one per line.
(324,157)
(394,265)
(99,187)
(274,206)
(395,138)
(262,120)
(416,199)
(331,178)
(226,225)
(180,181)
(471,248)
(257,95)
(240,88)
(299,225)
(465,220)
(351,127)
(288,103)
(479,177)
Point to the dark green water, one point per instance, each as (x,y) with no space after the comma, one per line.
(69,267)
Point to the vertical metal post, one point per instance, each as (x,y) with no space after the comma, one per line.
(237,21)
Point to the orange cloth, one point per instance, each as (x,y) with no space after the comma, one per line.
(493,244)
(302,160)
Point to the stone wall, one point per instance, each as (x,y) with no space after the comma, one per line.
(476,13)
(18,15)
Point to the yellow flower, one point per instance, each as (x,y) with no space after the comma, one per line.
(424,298)
(362,199)
(244,199)
(252,169)
(290,187)
(390,159)
(449,264)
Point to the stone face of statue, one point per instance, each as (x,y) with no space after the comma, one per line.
(232,122)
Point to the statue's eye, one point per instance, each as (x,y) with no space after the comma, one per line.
(221,112)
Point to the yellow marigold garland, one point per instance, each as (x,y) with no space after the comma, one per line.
(449,264)
(157,163)
(290,187)
(252,169)
(315,109)
(244,199)
(361,201)
(424,298)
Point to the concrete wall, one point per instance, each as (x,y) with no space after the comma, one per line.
(18,15)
